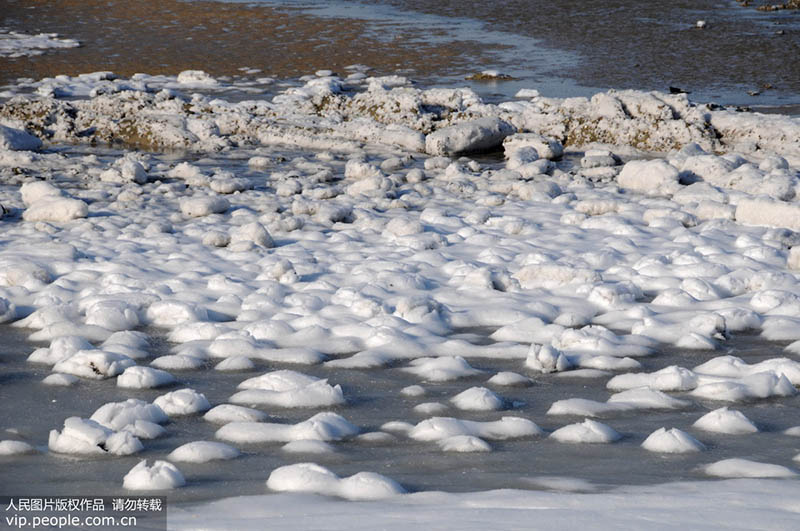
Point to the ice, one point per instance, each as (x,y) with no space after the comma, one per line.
(633,399)
(430,408)
(588,431)
(413,390)
(10,447)
(672,441)
(15,44)
(138,377)
(178,362)
(724,420)
(288,388)
(478,135)
(767,212)
(118,415)
(144,429)
(16,139)
(182,402)
(225,413)
(310,477)
(161,476)
(172,313)
(85,437)
(308,447)
(195,207)
(651,177)
(324,426)
(312,228)
(59,379)
(55,209)
(546,358)
(438,428)
(744,468)
(509,379)
(441,369)
(464,444)
(235,363)
(94,364)
(671,378)
(759,385)
(203,452)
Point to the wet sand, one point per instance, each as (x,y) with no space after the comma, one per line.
(167,36)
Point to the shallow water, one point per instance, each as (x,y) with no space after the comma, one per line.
(374,398)
(564,48)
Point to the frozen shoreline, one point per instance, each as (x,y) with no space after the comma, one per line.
(732,504)
(356,224)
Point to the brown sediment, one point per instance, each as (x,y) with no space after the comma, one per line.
(790,4)
(168,36)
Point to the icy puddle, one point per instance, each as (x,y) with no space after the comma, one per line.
(389,395)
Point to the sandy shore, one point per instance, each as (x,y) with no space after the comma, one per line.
(167,36)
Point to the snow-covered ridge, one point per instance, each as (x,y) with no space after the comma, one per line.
(329,111)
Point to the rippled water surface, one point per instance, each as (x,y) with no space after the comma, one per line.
(564,47)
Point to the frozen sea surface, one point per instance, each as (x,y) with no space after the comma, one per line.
(379,288)
(374,398)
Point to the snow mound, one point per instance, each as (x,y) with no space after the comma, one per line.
(58,379)
(509,379)
(724,420)
(673,441)
(308,447)
(225,413)
(441,369)
(203,451)
(310,477)
(671,378)
(137,377)
(235,363)
(743,468)
(631,400)
(286,388)
(464,444)
(118,415)
(588,431)
(85,437)
(177,362)
(756,386)
(438,428)
(325,426)
(478,135)
(478,399)
(161,476)
(182,402)
(94,364)
(9,447)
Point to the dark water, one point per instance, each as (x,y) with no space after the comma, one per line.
(374,398)
(571,47)
(562,47)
